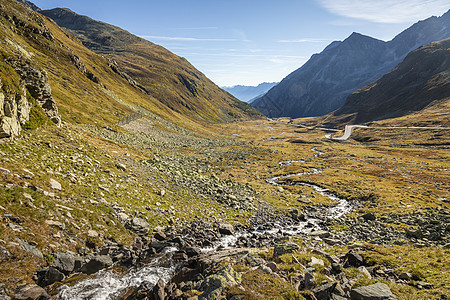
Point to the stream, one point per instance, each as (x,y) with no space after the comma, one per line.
(107,285)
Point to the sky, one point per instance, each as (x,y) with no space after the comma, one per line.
(247,42)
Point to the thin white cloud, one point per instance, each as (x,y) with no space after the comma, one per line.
(187,39)
(387,11)
(308,40)
(196,28)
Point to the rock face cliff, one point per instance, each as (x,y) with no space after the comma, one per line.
(324,82)
(14,111)
(421,80)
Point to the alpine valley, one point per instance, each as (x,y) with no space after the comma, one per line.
(125,173)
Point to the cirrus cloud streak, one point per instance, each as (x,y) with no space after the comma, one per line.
(386,11)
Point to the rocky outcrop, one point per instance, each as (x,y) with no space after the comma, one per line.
(14,112)
(36,82)
(76,60)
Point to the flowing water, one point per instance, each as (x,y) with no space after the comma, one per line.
(106,284)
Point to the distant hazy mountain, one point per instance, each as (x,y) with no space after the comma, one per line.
(323,83)
(421,80)
(248,93)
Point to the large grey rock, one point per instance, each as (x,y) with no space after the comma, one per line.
(324,291)
(377,291)
(354,259)
(226,229)
(213,285)
(30,248)
(97,263)
(281,249)
(64,262)
(139,226)
(49,276)
(30,292)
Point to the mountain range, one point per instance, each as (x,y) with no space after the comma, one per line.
(420,82)
(249,93)
(323,83)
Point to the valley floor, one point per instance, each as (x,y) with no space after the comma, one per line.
(84,188)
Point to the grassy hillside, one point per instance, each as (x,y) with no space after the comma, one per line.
(170,79)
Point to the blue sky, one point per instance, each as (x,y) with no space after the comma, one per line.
(252,41)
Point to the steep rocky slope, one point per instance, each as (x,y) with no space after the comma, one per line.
(421,81)
(158,72)
(324,82)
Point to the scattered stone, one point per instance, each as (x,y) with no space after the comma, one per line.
(64,262)
(49,276)
(377,291)
(160,236)
(324,291)
(315,261)
(226,229)
(354,259)
(405,276)
(320,233)
(30,292)
(369,217)
(281,249)
(92,234)
(309,281)
(139,226)
(364,271)
(4,254)
(5,171)
(55,184)
(273,266)
(97,263)
(30,248)
(121,167)
(424,285)
(57,224)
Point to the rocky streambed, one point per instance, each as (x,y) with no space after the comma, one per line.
(181,254)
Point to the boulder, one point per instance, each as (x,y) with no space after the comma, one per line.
(316,261)
(213,285)
(309,281)
(139,225)
(14,112)
(324,291)
(96,263)
(377,291)
(354,259)
(121,167)
(49,276)
(369,217)
(64,262)
(158,292)
(160,236)
(30,292)
(30,248)
(226,229)
(55,184)
(281,249)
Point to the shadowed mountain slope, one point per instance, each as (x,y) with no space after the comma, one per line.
(323,83)
(421,81)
